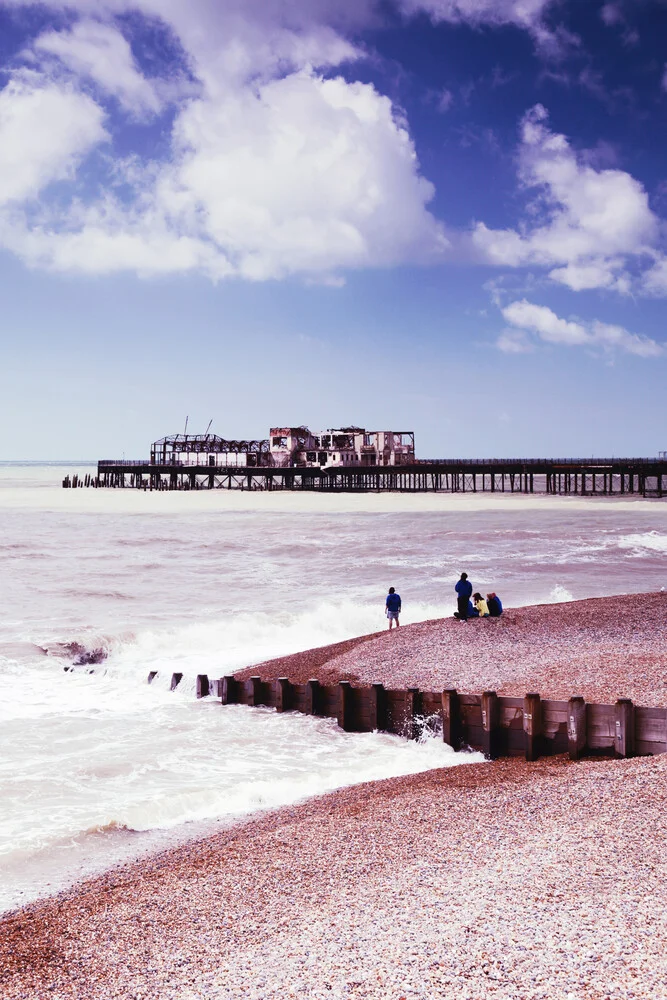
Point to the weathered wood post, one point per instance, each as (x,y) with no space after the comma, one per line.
(377,707)
(412,706)
(532,725)
(490,724)
(175,681)
(312,697)
(576,727)
(229,690)
(203,686)
(451,718)
(254,690)
(152,675)
(345,705)
(283,695)
(624,734)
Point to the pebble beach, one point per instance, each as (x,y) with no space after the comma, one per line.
(506,879)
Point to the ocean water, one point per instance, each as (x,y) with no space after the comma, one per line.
(96,766)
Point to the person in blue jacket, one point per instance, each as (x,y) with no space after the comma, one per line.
(464,592)
(495,605)
(393,608)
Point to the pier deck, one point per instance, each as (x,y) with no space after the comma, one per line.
(646,477)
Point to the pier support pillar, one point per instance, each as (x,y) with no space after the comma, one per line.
(576,727)
(532,725)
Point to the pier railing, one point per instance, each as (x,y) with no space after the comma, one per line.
(496,725)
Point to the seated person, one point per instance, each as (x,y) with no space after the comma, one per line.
(494,605)
(481,606)
(472,611)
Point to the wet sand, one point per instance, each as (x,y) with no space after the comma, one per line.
(506,879)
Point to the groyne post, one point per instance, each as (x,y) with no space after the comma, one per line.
(532,725)
(412,706)
(175,681)
(228,696)
(152,675)
(345,705)
(254,690)
(203,686)
(576,727)
(451,718)
(312,696)
(490,724)
(624,729)
(377,707)
(283,695)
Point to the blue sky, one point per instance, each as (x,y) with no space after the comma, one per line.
(439,215)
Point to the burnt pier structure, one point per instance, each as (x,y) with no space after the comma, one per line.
(645,477)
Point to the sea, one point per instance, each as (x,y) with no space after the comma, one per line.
(99,587)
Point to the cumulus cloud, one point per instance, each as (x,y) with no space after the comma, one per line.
(585,224)
(276,166)
(100,52)
(529,323)
(46,129)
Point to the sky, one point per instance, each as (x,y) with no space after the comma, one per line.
(446,216)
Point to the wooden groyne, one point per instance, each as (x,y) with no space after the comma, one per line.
(498,726)
(552,476)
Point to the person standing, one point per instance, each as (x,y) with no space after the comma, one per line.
(464,592)
(393,608)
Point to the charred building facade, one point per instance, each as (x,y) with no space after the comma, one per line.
(288,447)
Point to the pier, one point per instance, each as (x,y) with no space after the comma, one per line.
(645,477)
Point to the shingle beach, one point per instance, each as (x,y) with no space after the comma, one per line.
(500,880)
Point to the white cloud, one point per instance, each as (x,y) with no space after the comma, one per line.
(272,170)
(528,15)
(589,222)
(45,130)
(654,281)
(99,52)
(526,319)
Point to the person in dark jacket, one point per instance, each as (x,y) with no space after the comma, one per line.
(494,605)
(464,592)
(393,607)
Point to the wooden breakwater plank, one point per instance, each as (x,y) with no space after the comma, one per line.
(498,726)
(650,730)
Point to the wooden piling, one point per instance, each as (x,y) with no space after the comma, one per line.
(283,694)
(412,706)
(532,725)
(624,734)
(377,707)
(203,686)
(175,681)
(312,697)
(490,724)
(152,675)
(229,696)
(344,706)
(451,718)
(576,727)
(254,691)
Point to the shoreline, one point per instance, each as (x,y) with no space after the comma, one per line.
(457,883)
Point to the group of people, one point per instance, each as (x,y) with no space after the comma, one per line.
(469,605)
